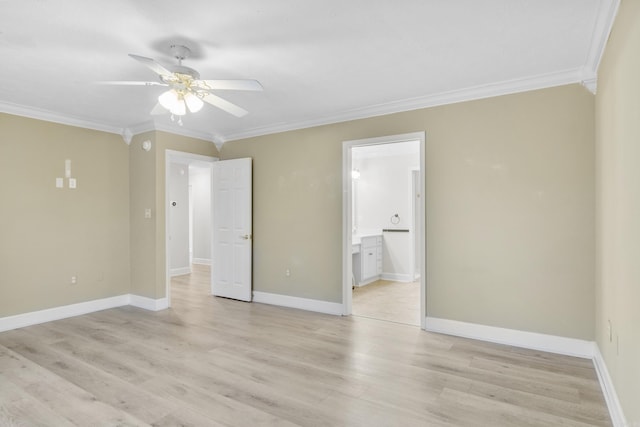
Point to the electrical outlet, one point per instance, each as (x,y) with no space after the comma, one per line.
(287,272)
(74,280)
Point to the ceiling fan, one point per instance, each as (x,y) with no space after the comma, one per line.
(186,90)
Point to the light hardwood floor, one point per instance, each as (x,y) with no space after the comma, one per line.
(386,300)
(216,362)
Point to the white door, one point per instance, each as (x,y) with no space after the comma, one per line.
(232,228)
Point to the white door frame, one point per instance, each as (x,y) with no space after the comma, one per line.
(347,197)
(414,196)
(173,156)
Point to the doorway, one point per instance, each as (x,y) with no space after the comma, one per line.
(188,218)
(383,222)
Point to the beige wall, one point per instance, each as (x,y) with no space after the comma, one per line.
(510,202)
(148,191)
(142,172)
(618,207)
(96,232)
(48,234)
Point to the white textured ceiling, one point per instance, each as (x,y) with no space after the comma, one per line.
(319,62)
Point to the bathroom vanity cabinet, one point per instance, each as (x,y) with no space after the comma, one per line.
(367,264)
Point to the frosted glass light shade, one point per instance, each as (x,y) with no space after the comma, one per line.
(193,102)
(168,99)
(178,108)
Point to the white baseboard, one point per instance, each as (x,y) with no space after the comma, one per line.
(397,277)
(148,303)
(63,312)
(179,271)
(542,342)
(300,303)
(57,313)
(368,281)
(201,261)
(610,395)
(532,340)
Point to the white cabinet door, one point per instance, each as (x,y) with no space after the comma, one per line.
(369,257)
(232,228)
(369,264)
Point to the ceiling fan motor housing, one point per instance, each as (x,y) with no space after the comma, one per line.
(187,71)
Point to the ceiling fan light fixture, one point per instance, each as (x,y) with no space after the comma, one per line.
(168,99)
(185,89)
(178,108)
(173,101)
(193,102)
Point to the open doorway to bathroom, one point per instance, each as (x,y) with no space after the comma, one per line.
(383,228)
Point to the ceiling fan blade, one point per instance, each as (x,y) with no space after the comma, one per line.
(153,65)
(131,83)
(158,110)
(225,105)
(229,84)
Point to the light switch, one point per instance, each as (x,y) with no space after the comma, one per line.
(147,213)
(59,183)
(72,183)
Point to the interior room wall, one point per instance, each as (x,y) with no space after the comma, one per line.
(618,208)
(148,190)
(179,220)
(50,234)
(141,195)
(200,179)
(509,208)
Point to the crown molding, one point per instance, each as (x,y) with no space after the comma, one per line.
(602,29)
(582,76)
(143,127)
(591,84)
(605,18)
(126,132)
(179,130)
(151,126)
(50,116)
(450,97)
(586,75)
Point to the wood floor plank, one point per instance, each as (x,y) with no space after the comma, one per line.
(216,362)
(16,406)
(183,417)
(225,410)
(104,386)
(471,410)
(71,402)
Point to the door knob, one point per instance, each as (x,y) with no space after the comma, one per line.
(246,237)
